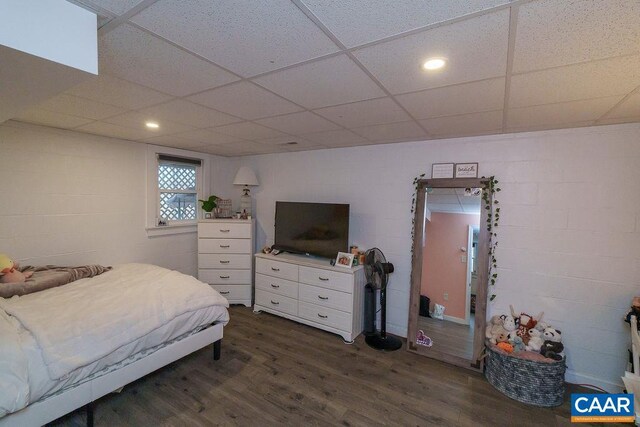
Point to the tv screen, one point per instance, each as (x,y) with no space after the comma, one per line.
(320,229)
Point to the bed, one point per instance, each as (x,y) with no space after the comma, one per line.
(65,347)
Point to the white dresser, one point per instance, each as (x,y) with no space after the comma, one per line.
(311,291)
(225,248)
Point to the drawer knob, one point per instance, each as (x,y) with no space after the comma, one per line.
(225,231)
(224,246)
(323,298)
(321,316)
(275,269)
(224,277)
(224,292)
(224,262)
(274,302)
(275,286)
(324,279)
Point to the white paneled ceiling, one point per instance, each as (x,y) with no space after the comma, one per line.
(453,200)
(250,77)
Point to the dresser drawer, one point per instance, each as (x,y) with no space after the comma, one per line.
(223,277)
(224,246)
(224,230)
(325,297)
(327,279)
(277,285)
(325,316)
(277,269)
(230,261)
(277,302)
(234,292)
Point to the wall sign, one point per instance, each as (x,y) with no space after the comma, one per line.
(466,170)
(442,170)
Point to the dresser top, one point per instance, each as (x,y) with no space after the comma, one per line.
(308,261)
(227,220)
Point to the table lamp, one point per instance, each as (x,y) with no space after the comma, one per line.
(245,177)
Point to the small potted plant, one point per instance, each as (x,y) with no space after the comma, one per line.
(208,206)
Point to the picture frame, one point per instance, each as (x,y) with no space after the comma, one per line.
(344,260)
(442,170)
(208,215)
(466,170)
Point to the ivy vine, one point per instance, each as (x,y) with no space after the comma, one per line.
(416,184)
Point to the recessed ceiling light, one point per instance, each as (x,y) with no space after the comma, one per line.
(434,64)
(152,125)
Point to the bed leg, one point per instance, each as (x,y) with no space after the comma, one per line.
(217,346)
(89,409)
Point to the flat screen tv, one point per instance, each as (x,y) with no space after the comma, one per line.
(320,229)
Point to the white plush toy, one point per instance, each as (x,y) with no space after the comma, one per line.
(509,324)
(541,326)
(535,340)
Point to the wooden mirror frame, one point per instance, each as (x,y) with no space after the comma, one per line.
(484,240)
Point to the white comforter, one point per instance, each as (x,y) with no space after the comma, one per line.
(74,330)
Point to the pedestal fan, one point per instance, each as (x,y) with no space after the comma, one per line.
(377,271)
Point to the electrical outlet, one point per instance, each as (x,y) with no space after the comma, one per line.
(446,296)
(463,258)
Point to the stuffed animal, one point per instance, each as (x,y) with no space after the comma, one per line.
(10,272)
(634,311)
(552,346)
(535,340)
(505,346)
(518,344)
(495,329)
(541,326)
(525,322)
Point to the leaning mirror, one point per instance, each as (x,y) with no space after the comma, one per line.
(449,271)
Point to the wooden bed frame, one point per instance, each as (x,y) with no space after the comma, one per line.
(84,394)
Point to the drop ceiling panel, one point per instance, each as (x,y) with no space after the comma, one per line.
(356,22)
(80,107)
(561,113)
(551,33)
(240,148)
(208,136)
(365,113)
(114,131)
(597,79)
(466,124)
(246,100)
(137,56)
(336,138)
(392,132)
(248,130)
(297,123)
(629,108)
(137,120)
(51,118)
(121,93)
(331,81)
(188,113)
(247,37)
(475,49)
(118,7)
(486,95)
(174,141)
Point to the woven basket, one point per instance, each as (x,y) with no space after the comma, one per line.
(527,381)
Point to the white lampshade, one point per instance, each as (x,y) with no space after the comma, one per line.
(245,176)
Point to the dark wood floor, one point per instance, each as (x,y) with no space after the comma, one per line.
(277,372)
(449,337)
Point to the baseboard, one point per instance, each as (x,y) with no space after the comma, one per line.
(576,378)
(455,320)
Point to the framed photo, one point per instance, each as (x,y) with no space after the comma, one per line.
(466,170)
(208,215)
(442,170)
(344,260)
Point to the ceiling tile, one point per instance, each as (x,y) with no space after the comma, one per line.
(618,120)
(465,124)
(475,49)
(598,79)
(331,81)
(137,120)
(551,33)
(298,123)
(564,112)
(280,140)
(51,118)
(629,108)
(137,56)
(80,107)
(356,22)
(336,138)
(365,113)
(248,130)
(486,95)
(241,148)
(392,131)
(246,100)
(208,136)
(174,141)
(117,7)
(114,131)
(247,37)
(121,93)
(188,113)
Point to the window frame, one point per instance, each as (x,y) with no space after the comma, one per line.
(153,190)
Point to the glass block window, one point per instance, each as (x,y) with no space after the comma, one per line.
(177,184)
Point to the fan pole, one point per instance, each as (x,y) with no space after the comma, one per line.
(383,312)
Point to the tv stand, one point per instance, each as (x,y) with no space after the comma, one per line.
(311,291)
